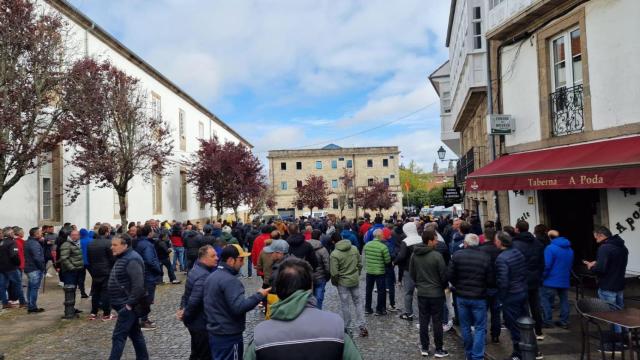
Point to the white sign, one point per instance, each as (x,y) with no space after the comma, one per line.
(499,124)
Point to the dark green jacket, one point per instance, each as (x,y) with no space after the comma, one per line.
(70,256)
(429,272)
(345,264)
(376,257)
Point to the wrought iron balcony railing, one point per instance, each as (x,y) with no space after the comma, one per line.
(567,111)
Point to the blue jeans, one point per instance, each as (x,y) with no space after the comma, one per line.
(11,279)
(249,265)
(615,298)
(178,255)
(547,296)
(318,292)
(226,347)
(35,277)
(127,325)
(473,312)
(514,307)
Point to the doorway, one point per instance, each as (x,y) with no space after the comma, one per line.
(574,213)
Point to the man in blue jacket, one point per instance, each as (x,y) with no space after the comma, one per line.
(225,306)
(558,261)
(511,281)
(34,267)
(152,270)
(192,305)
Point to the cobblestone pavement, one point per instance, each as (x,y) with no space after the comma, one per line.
(390,337)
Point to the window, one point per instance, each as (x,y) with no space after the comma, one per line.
(386,181)
(349,164)
(334,164)
(494,3)
(476,25)
(385,162)
(341,159)
(182,130)
(156,193)
(335,203)
(334,184)
(298,165)
(298,183)
(392,176)
(283,185)
(200,130)
(47,198)
(369,163)
(319,165)
(156,108)
(283,166)
(391,157)
(566,60)
(370,181)
(202,205)
(350,203)
(183,191)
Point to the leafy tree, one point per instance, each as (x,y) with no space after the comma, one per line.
(376,197)
(33,62)
(113,135)
(314,193)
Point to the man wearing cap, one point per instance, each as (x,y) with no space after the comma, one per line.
(278,250)
(225,305)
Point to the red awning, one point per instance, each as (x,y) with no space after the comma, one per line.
(596,165)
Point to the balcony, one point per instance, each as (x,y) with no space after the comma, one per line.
(567,111)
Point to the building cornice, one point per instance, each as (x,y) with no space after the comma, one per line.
(378,150)
(87,24)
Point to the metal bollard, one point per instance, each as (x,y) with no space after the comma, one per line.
(69,302)
(528,343)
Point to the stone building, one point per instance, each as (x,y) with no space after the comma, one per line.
(289,168)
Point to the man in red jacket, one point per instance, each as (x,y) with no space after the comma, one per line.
(258,244)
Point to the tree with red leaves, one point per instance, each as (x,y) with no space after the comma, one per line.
(376,197)
(314,193)
(226,175)
(34,59)
(114,135)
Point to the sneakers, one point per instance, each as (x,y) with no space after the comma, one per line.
(380,313)
(176,281)
(368,312)
(560,324)
(424,352)
(147,325)
(539,356)
(92,316)
(77,311)
(513,357)
(441,353)
(540,337)
(364,332)
(408,317)
(109,317)
(48,275)
(618,348)
(84,296)
(448,326)
(392,308)
(35,311)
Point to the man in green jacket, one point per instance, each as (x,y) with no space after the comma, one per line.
(71,262)
(297,329)
(345,267)
(377,258)
(428,271)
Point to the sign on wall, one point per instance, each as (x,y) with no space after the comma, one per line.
(499,124)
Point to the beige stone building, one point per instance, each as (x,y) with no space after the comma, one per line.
(289,168)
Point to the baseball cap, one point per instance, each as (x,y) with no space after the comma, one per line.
(278,245)
(233,251)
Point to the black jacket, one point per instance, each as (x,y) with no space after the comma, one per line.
(126,281)
(192,243)
(33,255)
(9,259)
(100,258)
(443,249)
(193,298)
(302,249)
(533,252)
(611,264)
(470,273)
(209,239)
(162,245)
(490,248)
(511,272)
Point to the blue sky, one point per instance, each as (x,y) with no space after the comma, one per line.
(294,73)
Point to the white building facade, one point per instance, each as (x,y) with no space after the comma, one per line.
(39,198)
(567,72)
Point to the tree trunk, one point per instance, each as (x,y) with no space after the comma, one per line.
(122,201)
(235,213)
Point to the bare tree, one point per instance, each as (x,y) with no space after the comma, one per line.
(115,137)
(346,195)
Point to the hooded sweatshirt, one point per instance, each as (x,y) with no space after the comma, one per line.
(85,239)
(407,245)
(558,260)
(611,264)
(429,272)
(345,264)
(297,330)
(301,249)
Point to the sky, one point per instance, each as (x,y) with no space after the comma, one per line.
(290,74)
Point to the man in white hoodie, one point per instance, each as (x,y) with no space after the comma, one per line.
(402,261)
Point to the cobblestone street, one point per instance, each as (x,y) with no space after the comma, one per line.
(390,337)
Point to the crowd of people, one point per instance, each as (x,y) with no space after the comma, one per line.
(461,271)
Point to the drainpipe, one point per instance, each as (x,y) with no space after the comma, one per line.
(492,139)
(88,188)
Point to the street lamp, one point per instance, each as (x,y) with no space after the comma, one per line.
(442,153)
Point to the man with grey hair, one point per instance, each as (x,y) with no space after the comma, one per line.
(471,273)
(376,258)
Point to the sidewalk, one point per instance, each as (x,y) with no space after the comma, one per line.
(20,328)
